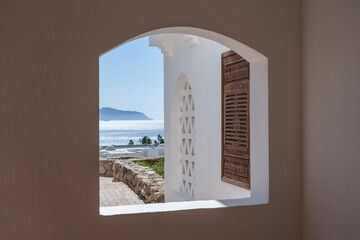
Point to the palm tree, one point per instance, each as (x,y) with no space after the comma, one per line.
(145,140)
(160,139)
(131,142)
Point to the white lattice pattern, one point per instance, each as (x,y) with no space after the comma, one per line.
(188,162)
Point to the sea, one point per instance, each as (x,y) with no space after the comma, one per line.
(120,132)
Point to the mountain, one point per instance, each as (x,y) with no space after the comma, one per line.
(107,114)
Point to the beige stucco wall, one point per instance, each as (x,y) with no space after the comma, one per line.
(49,117)
(331,119)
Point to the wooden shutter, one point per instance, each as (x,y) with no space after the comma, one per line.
(235,120)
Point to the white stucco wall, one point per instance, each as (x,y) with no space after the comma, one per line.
(198,60)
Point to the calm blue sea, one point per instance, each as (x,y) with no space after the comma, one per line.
(120,132)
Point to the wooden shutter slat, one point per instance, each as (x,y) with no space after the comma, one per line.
(235,120)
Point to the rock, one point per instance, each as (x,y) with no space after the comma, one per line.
(150,198)
(108,174)
(102,170)
(107,166)
(158,196)
(154,189)
(128,177)
(121,176)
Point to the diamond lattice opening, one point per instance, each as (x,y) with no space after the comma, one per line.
(187,120)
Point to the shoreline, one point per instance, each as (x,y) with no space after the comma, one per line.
(143,150)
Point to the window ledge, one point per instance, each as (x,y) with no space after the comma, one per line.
(178,206)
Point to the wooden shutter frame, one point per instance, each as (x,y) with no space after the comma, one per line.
(238,154)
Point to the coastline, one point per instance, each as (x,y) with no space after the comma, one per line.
(145,150)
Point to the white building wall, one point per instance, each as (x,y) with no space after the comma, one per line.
(197,60)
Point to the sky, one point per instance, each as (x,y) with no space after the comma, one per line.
(132,78)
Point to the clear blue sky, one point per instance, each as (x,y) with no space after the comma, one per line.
(132,78)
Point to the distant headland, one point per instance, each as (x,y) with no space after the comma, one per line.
(108,114)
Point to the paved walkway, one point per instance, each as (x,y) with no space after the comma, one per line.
(116,193)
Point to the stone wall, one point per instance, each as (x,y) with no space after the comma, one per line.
(148,185)
(144,181)
(106,167)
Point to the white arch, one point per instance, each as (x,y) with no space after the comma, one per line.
(246,52)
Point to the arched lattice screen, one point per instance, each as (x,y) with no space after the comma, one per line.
(188,162)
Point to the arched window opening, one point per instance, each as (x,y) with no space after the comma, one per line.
(215,126)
